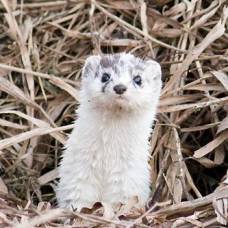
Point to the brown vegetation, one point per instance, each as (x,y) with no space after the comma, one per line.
(43,45)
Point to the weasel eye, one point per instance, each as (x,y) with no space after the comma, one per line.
(105,77)
(137,80)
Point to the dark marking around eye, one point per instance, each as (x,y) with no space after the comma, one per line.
(105,77)
(104,86)
(137,80)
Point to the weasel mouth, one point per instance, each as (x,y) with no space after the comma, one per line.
(121,98)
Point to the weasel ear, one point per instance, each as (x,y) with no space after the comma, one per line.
(91,66)
(153,69)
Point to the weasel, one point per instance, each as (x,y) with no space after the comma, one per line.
(106,156)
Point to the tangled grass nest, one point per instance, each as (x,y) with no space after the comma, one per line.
(44,44)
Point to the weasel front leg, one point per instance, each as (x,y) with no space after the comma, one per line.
(78,187)
(77,196)
(123,187)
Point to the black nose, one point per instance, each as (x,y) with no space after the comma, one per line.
(120,89)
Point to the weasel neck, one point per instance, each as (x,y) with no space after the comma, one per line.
(119,117)
(121,127)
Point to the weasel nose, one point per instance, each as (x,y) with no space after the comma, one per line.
(120,89)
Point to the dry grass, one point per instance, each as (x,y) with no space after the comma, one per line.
(43,44)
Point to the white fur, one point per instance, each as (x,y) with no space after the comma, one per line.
(106,156)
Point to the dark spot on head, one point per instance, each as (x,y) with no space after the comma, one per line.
(96,73)
(89,69)
(121,63)
(139,67)
(106,62)
(110,61)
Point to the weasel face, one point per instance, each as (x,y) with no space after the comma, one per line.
(121,81)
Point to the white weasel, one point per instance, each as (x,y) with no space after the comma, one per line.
(106,156)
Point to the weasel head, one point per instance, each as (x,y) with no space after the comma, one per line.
(120,82)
